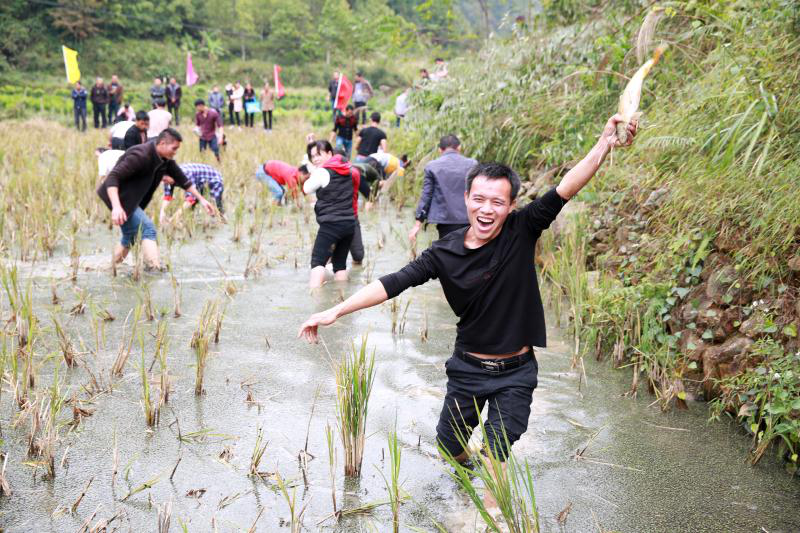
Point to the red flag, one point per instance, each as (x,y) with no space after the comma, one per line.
(279,92)
(343,92)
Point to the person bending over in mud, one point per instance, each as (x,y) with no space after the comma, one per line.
(202,176)
(488,276)
(129,187)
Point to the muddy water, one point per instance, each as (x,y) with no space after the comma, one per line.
(643,471)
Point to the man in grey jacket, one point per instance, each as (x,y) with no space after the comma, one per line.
(442,200)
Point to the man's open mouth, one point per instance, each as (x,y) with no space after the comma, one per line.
(484,223)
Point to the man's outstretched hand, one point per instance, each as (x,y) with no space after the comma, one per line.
(308,330)
(610,131)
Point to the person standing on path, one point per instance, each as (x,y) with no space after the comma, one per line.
(362,92)
(173,93)
(370,139)
(79,106)
(160,119)
(267,105)
(401,106)
(216,102)
(201,176)
(332,181)
(99,97)
(249,97)
(442,199)
(343,128)
(129,187)
(137,134)
(488,275)
(333,86)
(237,93)
(209,121)
(115,93)
(157,92)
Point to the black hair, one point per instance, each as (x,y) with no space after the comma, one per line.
(199,101)
(303,169)
(495,171)
(142,115)
(339,150)
(375,117)
(374,163)
(404,159)
(321,145)
(161,102)
(449,141)
(438,59)
(101,149)
(169,134)
(359,73)
(350,107)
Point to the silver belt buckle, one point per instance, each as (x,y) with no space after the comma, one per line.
(494,367)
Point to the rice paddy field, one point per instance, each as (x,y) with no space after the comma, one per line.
(183,401)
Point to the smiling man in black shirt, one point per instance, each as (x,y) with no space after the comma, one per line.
(488,277)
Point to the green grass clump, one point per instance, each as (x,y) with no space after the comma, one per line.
(355,374)
(767,398)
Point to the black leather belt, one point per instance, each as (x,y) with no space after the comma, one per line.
(496,366)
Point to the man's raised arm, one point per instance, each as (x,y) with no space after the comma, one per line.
(369,296)
(581,173)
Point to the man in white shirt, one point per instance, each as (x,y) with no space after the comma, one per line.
(160,120)
(118,132)
(401,106)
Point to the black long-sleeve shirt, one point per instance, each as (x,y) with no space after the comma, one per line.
(492,289)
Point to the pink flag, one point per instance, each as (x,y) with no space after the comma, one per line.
(279,92)
(191,75)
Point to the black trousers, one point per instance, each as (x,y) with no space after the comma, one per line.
(175,109)
(267,114)
(249,119)
(444,229)
(357,244)
(113,107)
(333,242)
(509,395)
(235,114)
(80,116)
(230,112)
(361,112)
(99,112)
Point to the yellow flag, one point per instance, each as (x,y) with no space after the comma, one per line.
(71,64)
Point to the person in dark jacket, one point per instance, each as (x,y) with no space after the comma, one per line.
(79,105)
(137,134)
(442,200)
(488,275)
(173,93)
(99,98)
(157,92)
(335,183)
(333,85)
(129,187)
(115,93)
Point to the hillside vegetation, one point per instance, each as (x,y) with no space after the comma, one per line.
(694,230)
